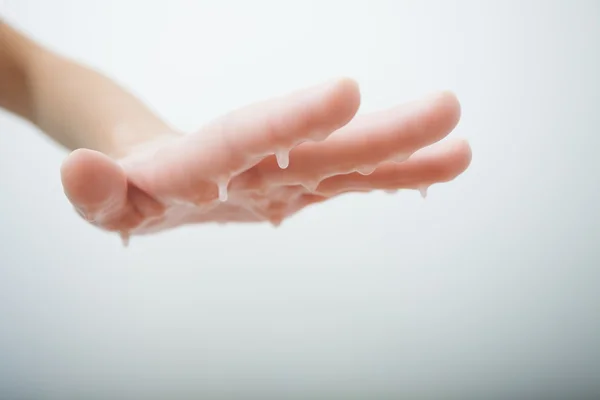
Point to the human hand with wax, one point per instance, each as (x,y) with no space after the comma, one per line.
(132,173)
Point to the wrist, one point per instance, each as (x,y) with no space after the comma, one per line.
(81,108)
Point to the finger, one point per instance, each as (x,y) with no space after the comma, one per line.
(273,126)
(196,164)
(279,124)
(147,206)
(369,140)
(98,189)
(439,163)
(95,184)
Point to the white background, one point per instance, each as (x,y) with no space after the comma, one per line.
(491,284)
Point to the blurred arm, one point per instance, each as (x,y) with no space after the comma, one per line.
(15,53)
(76,106)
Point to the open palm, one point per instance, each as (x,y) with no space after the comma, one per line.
(267,161)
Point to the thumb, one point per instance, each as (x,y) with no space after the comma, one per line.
(94,183)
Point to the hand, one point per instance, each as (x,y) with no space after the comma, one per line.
(239,168)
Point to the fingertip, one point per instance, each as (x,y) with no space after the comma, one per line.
(447,108)
(453,107)
(92,180)
(464,154)
(458,158)
(344,98)
(348,86)
(465,149)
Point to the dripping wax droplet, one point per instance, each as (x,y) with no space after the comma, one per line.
(367,170)
(401,157)
(276,222)
(423,191)
(125,238)
(311,186)
(319,136)
(283,158)
(222,184)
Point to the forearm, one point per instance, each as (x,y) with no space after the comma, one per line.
(76,106)
(15,55)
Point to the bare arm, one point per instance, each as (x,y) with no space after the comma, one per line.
(15,55)
(75,105)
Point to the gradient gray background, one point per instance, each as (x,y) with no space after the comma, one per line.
(490,286)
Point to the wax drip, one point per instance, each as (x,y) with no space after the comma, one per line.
(366,170)
(275,221)
(283,158)
(222,185)
(320,136)
(401,157)
(423,191)
(311,186)
(125,238)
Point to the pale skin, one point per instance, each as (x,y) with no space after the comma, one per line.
(132,173)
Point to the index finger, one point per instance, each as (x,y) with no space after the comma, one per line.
(243,137)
